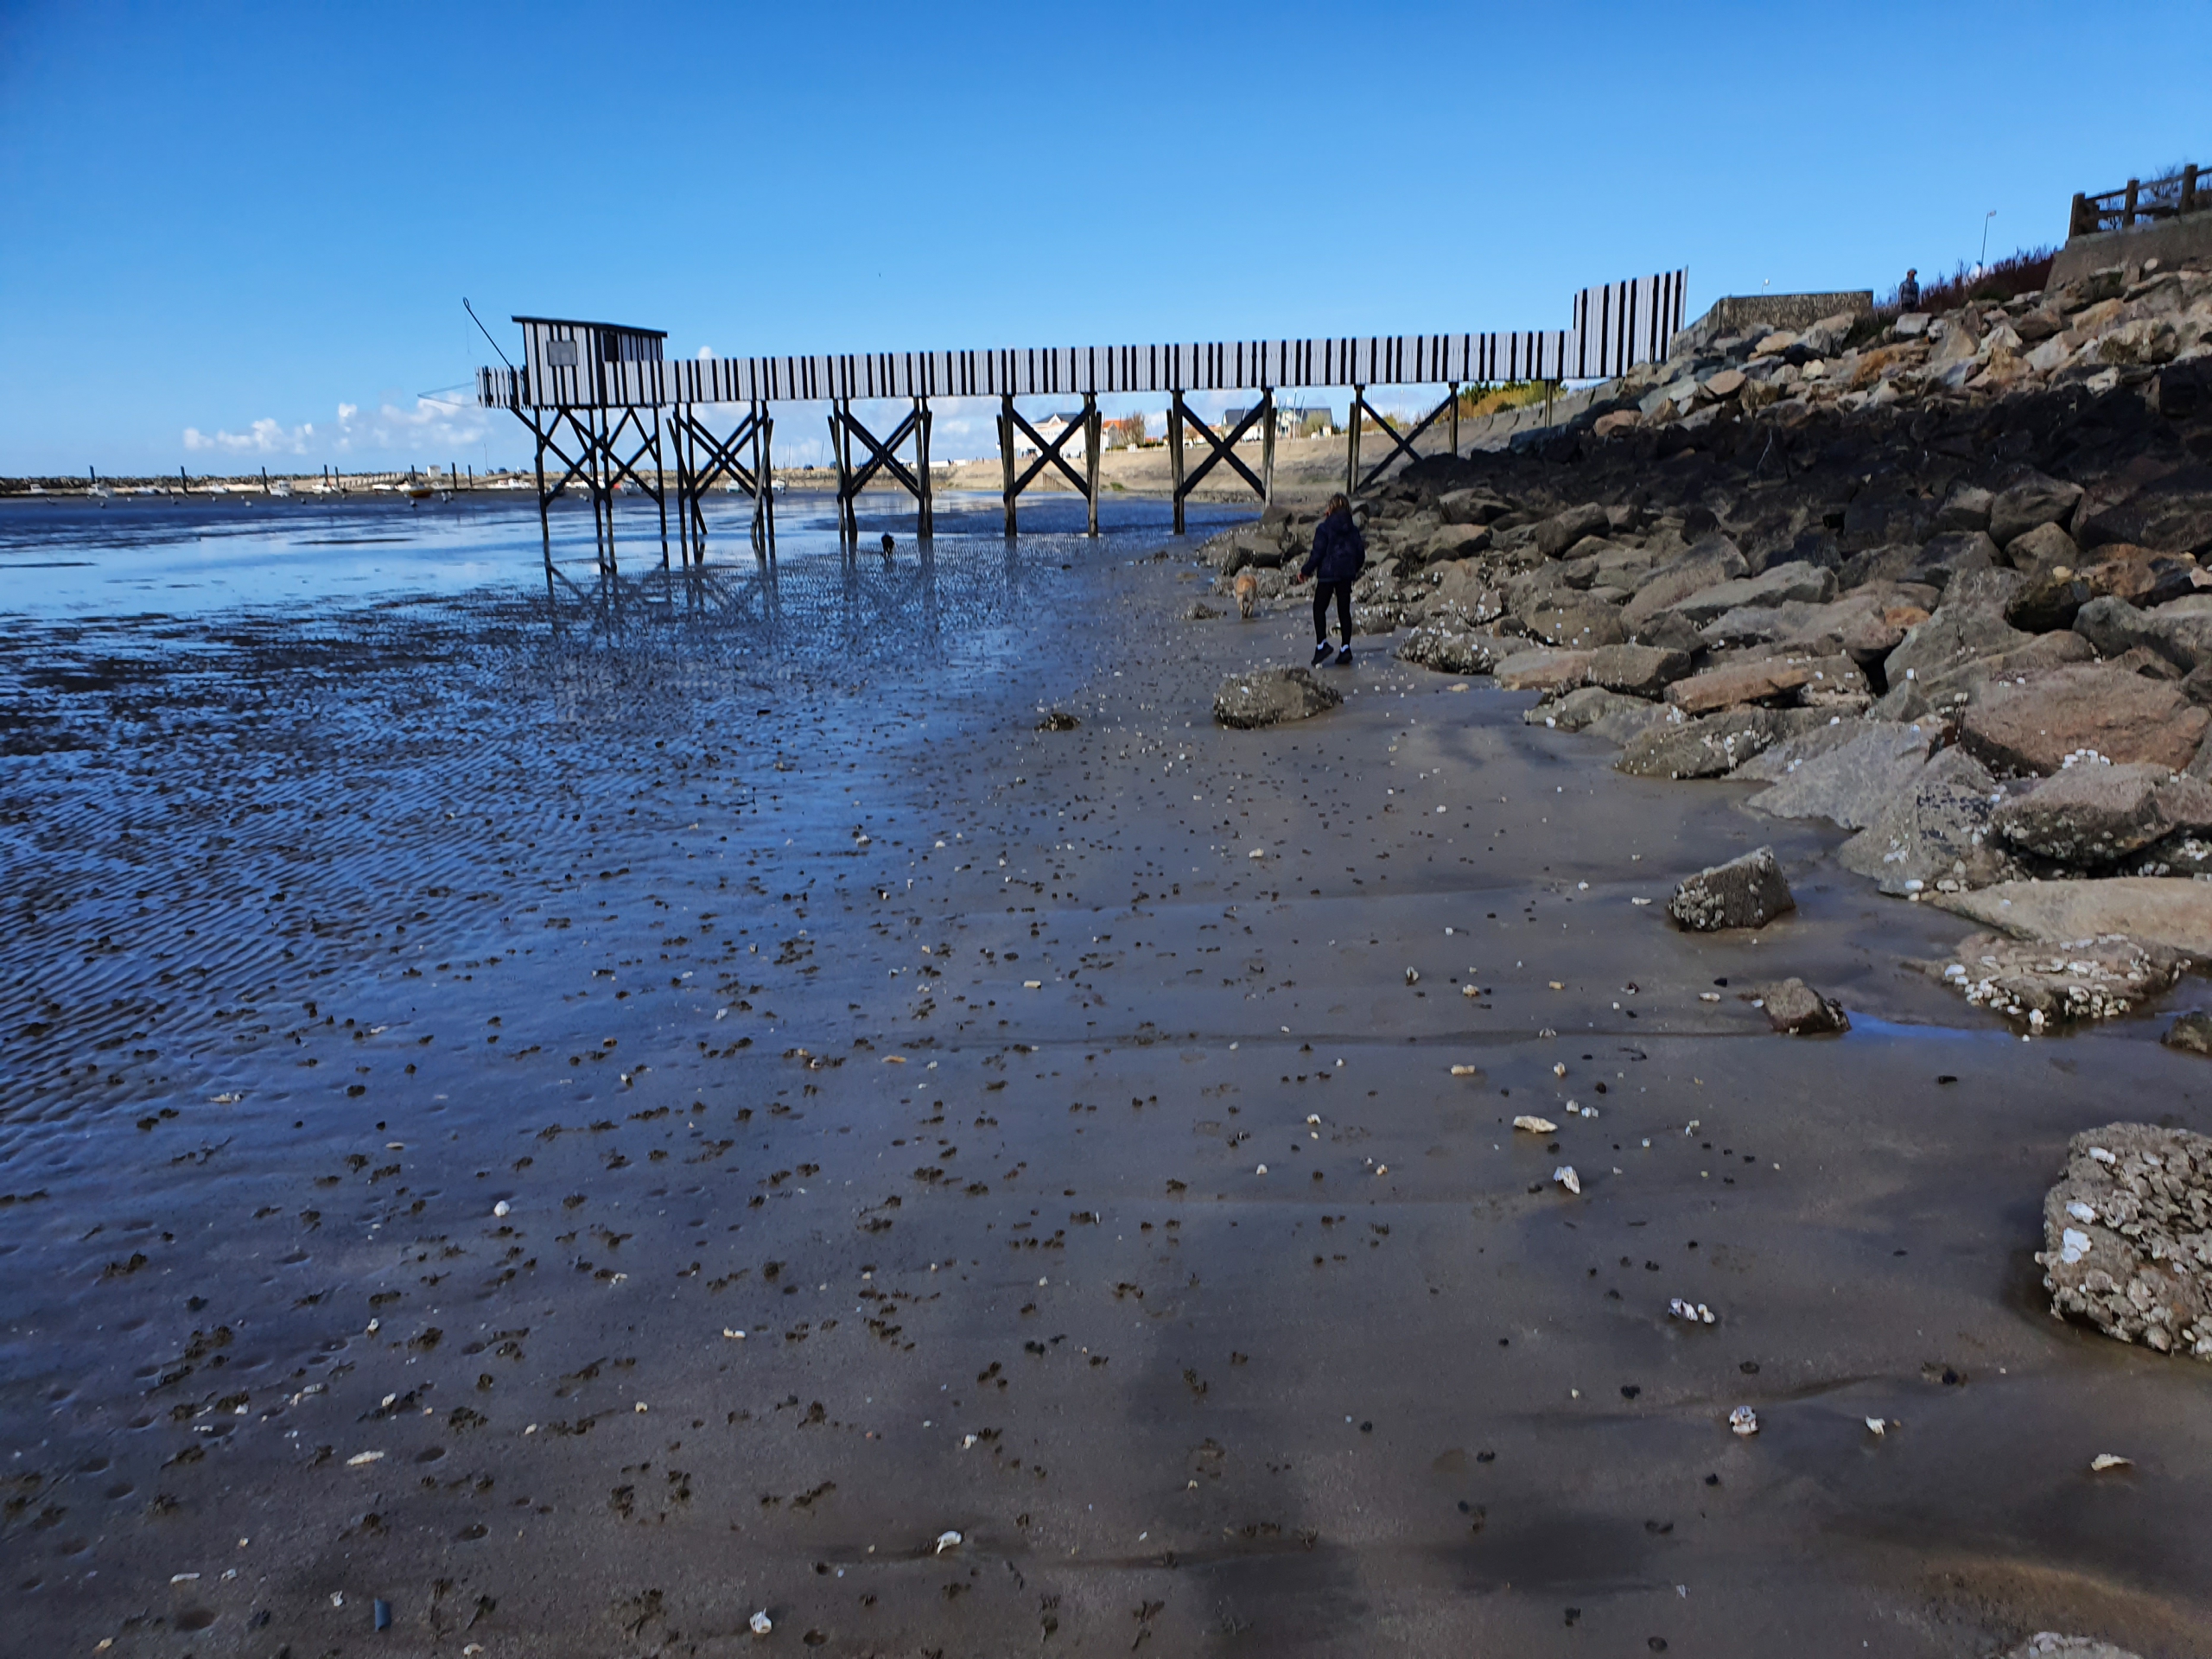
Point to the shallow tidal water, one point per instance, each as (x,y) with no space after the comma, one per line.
(1078,1182)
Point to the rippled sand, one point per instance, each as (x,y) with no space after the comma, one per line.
(747,942)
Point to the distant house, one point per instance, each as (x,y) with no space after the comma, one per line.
(1050,428)
(1289,417)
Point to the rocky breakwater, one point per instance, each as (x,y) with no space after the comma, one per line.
(1936,579)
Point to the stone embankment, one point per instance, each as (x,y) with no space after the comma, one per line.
(1934,578)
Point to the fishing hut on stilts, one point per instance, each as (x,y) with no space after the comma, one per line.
(603,403)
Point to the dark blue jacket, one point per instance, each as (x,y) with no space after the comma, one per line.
(1340,550)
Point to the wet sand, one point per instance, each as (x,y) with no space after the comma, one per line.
(785,980)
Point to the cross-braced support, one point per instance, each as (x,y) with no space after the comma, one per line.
(1222,448)
(744,459)
(882,457)
(598,465)
(1049,453)
(1400,443)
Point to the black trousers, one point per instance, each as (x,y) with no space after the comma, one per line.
(1322,590)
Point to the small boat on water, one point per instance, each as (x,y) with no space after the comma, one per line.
(417,490)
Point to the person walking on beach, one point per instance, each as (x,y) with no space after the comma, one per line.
(1909,291)
(1339,556)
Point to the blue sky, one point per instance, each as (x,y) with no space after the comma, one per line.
(255,225)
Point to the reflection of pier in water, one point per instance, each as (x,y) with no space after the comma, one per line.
(849,607)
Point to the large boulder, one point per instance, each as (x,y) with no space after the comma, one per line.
(2146,578)
(1460,590)
(1956,633)
(1796,1009)
(1450,649)
(1966,507)
(1777,763)
(1613,565)
(1709,560)
(2092,814)
(1589,706)
(1886,562)
(1849,782)
(1455,542)
(1779,584)
(1573,619)
(1638,670)
(2171,515)
(2190,1034)
(1948,691)
(1933,832)
(1271,696)
(1746,891)
(2089,707)
(1952,554)
(2171,912)
(2034,500)
(2050,603)
(1256,544)
(2124,1238)
(1469,507)
(1765,679)
(1542,670)
(2180,631)
(1712,746)
(1563,530)
(2043,552)
(1866,625)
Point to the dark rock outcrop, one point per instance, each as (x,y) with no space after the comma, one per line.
(1746,891)
(1271,696)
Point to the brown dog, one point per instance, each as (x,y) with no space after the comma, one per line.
(1248,593)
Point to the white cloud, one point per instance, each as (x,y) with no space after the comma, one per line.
(264,437)
(433,426)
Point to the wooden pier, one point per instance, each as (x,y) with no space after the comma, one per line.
(601,399)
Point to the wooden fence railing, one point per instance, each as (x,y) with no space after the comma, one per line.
(2140,200)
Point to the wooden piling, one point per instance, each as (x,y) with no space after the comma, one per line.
(764,475)
(1093,435)
(1267,446)
(1006,457)
(1175,454)
(1351,440)
(926,515)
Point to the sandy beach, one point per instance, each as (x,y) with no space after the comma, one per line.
(581,1123)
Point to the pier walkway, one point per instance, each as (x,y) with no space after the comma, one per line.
(606,405)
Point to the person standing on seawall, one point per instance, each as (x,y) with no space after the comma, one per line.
(1909,291)
(1339,554)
